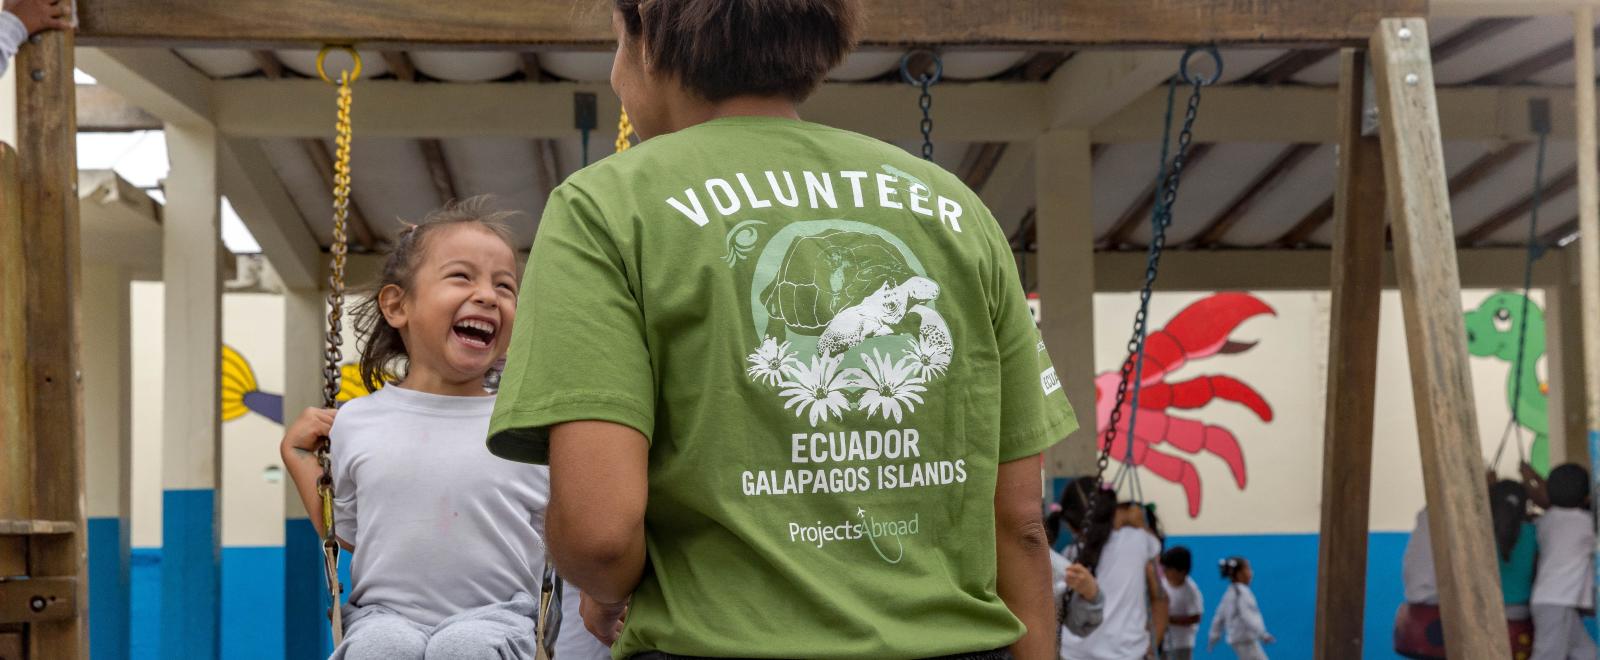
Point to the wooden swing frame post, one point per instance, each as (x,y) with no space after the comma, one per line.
(1430,290)
(42,385)
(1358,257)
(1588,245)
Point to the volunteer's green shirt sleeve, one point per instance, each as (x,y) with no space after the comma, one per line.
(1034,412)
(578,349)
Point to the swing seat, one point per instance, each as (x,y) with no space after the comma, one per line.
(1419,633)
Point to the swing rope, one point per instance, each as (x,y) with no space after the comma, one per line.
(1539,114)
(332,354)
(1168,177)
(925,81)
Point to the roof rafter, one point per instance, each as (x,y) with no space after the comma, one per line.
(1269,178)
(1140,209)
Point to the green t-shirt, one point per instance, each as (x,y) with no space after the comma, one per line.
(827,344)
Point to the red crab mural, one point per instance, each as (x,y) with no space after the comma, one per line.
(1199,331)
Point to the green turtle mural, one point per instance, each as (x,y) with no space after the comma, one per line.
(1493,329)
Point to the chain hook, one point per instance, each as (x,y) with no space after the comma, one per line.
(351,75)
(1216,58)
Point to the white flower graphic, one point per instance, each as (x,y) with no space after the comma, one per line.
(766,364)
(930,358)
(817,388)
(889,386)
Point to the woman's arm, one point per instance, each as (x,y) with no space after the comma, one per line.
(599,483)
(1022,556)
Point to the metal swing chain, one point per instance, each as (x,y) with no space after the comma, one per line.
(925,81)
(1534,252)
(624,129)
(1161,218)
(333,354)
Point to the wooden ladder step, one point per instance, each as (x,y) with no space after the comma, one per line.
(25,527)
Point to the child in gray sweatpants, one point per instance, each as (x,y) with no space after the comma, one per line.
(502,630)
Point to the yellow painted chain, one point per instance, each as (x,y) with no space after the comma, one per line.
(333,355)
(624,129)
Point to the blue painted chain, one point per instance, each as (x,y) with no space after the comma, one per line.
(926,103)
(924,81)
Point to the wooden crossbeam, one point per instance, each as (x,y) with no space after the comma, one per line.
(979,162)
(322,162)
(444,183)
(1473,34)
(1269,178)
(400,65)
(1521,207)
(1528,67)
(1287,66)
(1140,209)
(558,23)
(102,110)
(1467,179)
(1041,65)
(531,70)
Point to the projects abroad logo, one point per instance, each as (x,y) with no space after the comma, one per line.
(874,531)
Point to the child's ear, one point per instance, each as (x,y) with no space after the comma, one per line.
(391,301)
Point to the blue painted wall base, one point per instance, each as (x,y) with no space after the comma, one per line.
(189,575)
(108,589)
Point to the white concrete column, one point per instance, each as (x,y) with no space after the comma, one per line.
(304,596)
(108,429)
(1066,285)
(191,270)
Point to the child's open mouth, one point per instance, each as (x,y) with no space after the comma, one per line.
(476,333)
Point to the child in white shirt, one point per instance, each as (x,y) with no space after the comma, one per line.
(1564,584)
(1185,603)
(1239,615)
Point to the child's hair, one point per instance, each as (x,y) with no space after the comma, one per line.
(1569,486)
(382,350)
(1508,508)
(719,49)
(1093,528)
(1229,568)
(1178,559)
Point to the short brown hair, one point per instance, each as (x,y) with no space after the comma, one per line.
(719,49)
(382,349)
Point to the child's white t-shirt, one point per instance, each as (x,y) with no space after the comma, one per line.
(1183,601)
(439,524)
(1566,559)
(1122,633)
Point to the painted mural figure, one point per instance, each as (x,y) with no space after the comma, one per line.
(1199,331)
(241,395)
(1494,330)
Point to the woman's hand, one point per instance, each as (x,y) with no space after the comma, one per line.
(309,429)
(1082,582)
(603,620)
(40,15)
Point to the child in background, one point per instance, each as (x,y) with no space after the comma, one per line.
(1564,583)
(1123,562)
(1185,603)
(447,540)
(1239,615)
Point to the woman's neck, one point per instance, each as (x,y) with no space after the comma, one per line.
(420,378)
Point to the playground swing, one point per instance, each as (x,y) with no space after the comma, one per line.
(333,354)
(1168,176)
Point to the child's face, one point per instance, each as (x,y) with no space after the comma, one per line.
(456,319)
(1175,577)
(1244,575)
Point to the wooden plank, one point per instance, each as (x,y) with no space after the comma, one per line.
(556,23)
(1516,210)
(11,646)
(46,114)
(1357,263)
(1468,178)
(400,65)
(444,183)
(1288,65)
(16,461)
(1478,8)
(271,66)
(156,80)
(1452,468)
(1473,34)
(360,232)
(39,600)
(1139,211)
(1091,87)
(1269,178)
(23,527)
(102,110)
(1589,229)
(1297,270)
(1521,70)
(264,205)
